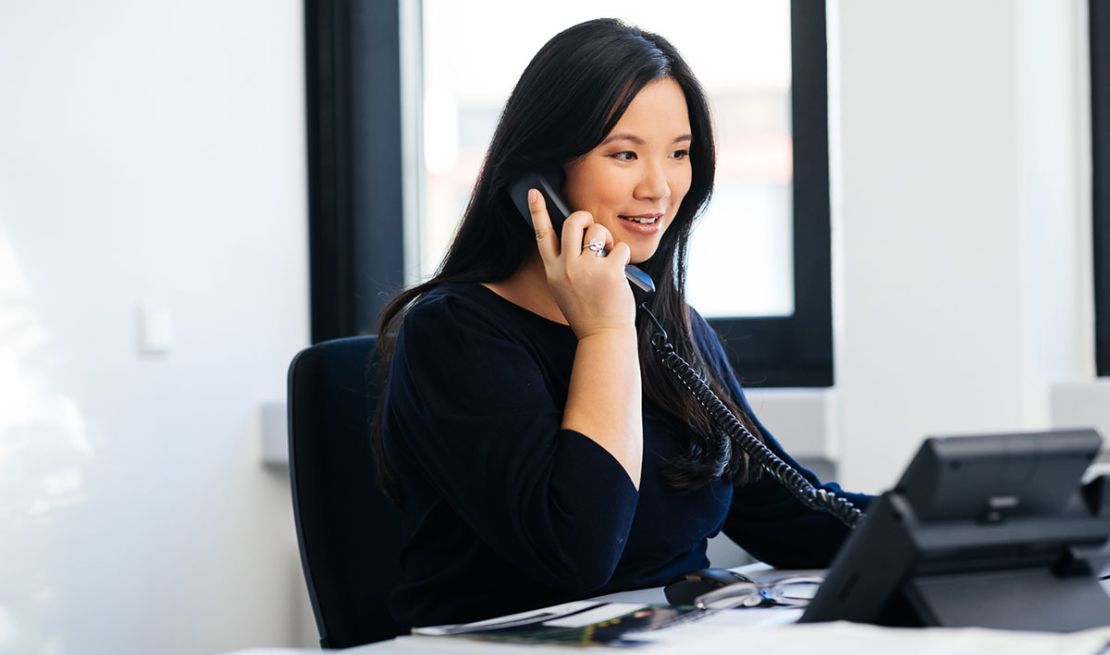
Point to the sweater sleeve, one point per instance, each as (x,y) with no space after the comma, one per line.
(764,518)
(476,415)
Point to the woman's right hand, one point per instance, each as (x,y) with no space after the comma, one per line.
(591,291)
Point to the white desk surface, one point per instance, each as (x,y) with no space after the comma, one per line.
(709,637)
(838,638)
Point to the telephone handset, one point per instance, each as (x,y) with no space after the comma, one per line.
(550,182)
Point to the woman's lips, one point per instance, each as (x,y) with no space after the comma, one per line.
(642,223)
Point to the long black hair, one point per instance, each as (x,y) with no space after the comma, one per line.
(569,98)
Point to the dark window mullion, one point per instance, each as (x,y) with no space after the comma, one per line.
(353,86)
(1100,153)
(327,80)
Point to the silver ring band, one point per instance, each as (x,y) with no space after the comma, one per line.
(597,246)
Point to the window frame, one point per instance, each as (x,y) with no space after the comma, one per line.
(1099,17)
(355,194)
(353,63)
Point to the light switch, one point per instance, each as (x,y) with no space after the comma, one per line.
(275,434)
(155,328)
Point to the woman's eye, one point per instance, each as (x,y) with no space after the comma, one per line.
(681,154)
(627,155)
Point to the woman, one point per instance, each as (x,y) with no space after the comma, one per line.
(539,450)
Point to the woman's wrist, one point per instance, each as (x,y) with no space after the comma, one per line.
(615,334)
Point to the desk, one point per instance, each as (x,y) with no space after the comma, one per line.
(827,639)
(705,638)
(709,638)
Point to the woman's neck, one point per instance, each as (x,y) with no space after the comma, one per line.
(528,289)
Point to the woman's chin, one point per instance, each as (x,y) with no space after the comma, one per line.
(643,253)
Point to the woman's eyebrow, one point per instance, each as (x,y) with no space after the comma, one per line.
(637,140)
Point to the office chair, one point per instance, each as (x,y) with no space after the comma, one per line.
(348,531)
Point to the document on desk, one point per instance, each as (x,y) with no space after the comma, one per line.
(610,624)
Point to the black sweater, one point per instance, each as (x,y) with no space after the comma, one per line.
(505,511)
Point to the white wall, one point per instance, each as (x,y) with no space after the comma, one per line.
(961,220)
(149,152)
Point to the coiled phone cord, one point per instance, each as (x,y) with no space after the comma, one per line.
(788,476)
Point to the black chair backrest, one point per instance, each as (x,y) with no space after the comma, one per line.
(349,532)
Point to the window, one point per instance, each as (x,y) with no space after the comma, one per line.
(746,232)
(759,261)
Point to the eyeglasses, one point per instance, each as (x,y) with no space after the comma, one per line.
(789,591)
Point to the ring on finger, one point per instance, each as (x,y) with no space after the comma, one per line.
(597,246)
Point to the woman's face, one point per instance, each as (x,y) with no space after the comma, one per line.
(634,182)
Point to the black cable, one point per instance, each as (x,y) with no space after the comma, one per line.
(788,476)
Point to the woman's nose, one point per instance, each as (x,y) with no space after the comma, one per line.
(653,185)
